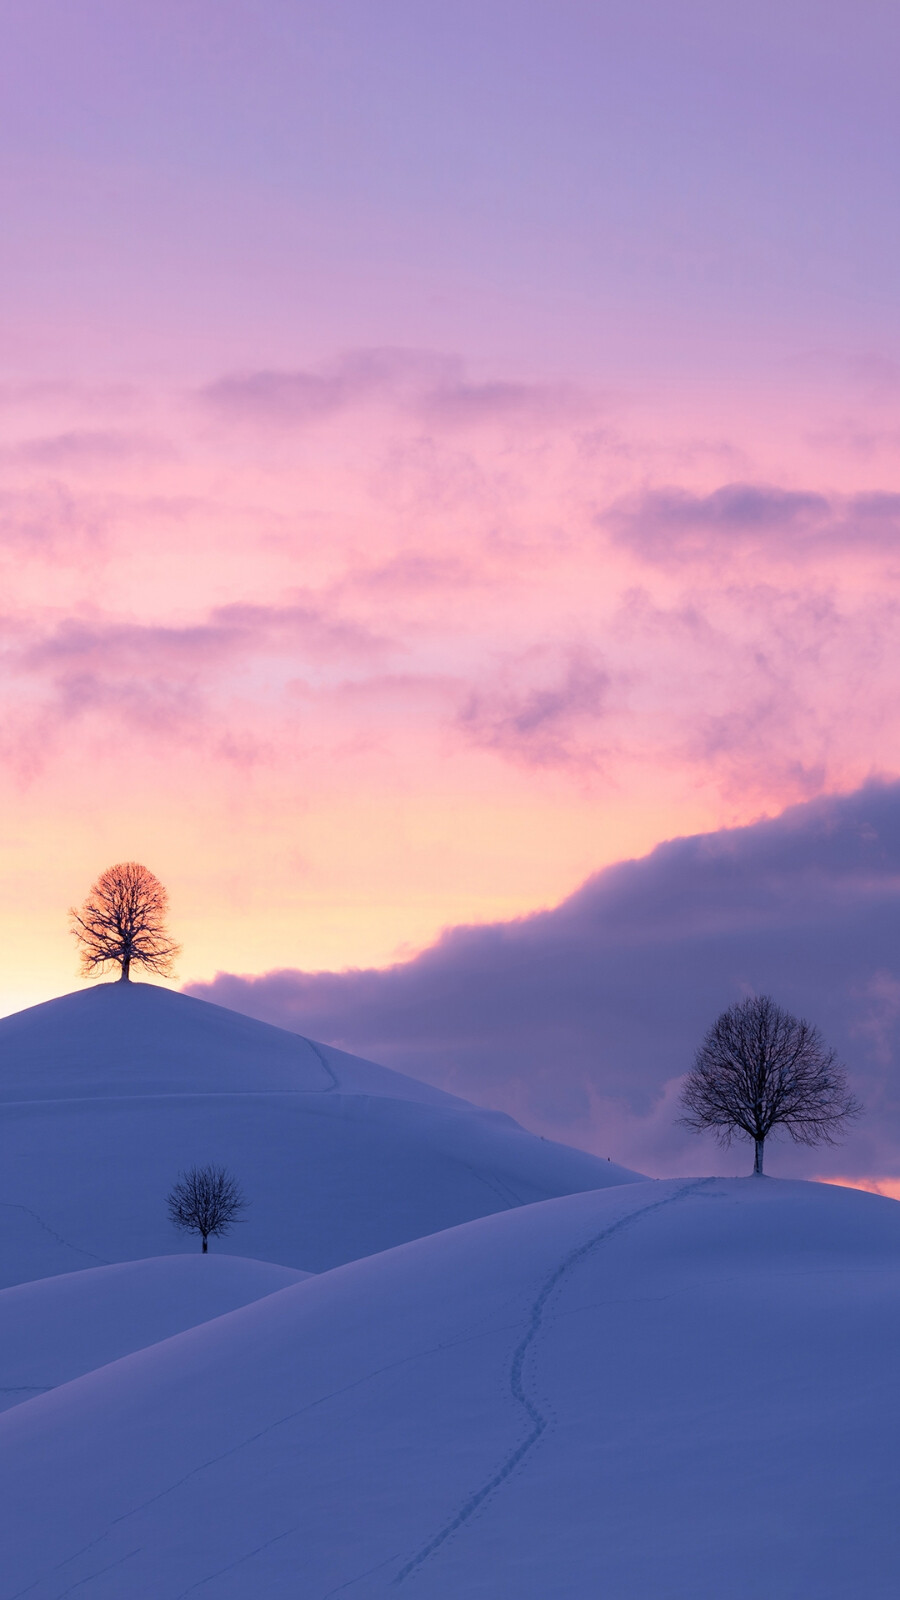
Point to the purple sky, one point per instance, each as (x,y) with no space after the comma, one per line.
(618,189)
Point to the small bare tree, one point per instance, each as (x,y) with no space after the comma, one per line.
(123,923)
(205,1201)
(760,1068)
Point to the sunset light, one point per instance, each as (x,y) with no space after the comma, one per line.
(449,799)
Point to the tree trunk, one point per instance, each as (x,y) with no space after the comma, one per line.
(758,1159)
(126,963)
(204,1244)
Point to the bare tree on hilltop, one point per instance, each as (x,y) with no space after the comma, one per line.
(205,1201)
(123,923)
(760,1068)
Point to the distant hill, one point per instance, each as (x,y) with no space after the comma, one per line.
(57,1328)
(106,1093)
(679,1390)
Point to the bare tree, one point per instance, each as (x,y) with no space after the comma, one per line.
(205,1201)
(123,923)
(759,1068)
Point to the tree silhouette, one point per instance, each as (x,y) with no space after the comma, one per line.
(760,1068)
(123,923)
(205,1201)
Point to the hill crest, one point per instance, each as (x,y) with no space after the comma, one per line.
(109,1092)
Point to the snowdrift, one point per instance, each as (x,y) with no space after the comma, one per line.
(683,1390)
(107,1093)
(56,1329)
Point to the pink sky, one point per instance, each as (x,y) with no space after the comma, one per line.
(443,451)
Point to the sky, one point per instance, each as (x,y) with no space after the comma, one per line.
(445,451)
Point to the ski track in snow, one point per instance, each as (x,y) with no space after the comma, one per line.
(99,1574)
(535,1416)
(239,1562)
(334,1084)
(13,1205)
(496,1185)
(204,1466)
(191,1094)
(537,1419)
(378,1567)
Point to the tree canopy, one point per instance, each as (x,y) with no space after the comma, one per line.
(123,924)
(205,1201)
(760,1068)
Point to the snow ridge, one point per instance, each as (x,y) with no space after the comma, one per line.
(538,1421)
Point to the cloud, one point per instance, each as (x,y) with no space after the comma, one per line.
(581,1020)
(306,632)
(674,525)
(49,521)
(410,574)
(286,398)
(171,681)
(432,387)
(546,709)
(86,447)
(456,401)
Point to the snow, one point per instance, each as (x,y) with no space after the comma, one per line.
(107,1093)
(58,1328)
(682,1389)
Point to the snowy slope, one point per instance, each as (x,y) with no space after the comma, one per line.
(105,1094)
(57,1328)
(678,1390)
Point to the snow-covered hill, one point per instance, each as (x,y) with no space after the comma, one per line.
(57,1328)
(684,1390)
(106,1093)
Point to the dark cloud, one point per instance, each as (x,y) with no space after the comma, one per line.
(674,525)
(581,1020)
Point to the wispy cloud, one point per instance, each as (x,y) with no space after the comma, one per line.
(307,630)
(42,521)
(411,573)
(545,708)
(90,447)
(173,682)
(431,386)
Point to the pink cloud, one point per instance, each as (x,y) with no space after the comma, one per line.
(412,573)
(417,642)
(171,683)
(462,403)
(430,386)
(546,709)
(45,519)
(86,447)
(230,631)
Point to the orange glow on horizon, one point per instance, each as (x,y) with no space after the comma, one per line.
(888,1187)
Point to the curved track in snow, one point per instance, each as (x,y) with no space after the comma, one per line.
(537,1419)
